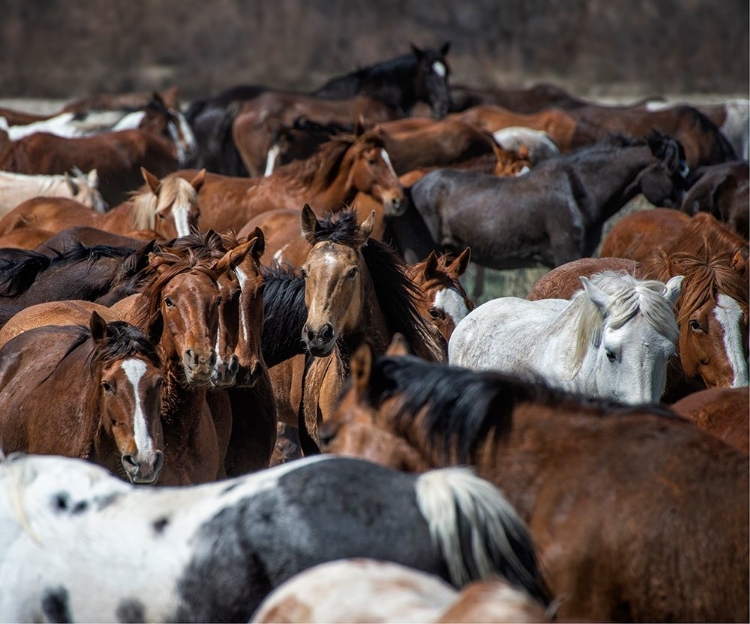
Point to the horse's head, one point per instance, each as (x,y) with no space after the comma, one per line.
(84,189)
(239,354)
(445,301)
(665,180)
(169,207)
(432,78)
(187,293)
(334,272)
(127,371)
(373,173)
(159,118)
(633,330)
(713,318)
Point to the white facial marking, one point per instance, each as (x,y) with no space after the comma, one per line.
(187,132)
(279,255)
(242,277)
(439,69)
(452,304)
(524,170)
(387,160)
(180,214)
(130,121)
(217,350)
(729,314)
(271,160)
(174,133)
(134,369)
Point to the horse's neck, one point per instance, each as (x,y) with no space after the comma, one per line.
(118,220)
(181,409)
(609,183)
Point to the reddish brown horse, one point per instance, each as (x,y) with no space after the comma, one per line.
(168,208)
(722,412)
(91,393)
(597,483)
(327,181)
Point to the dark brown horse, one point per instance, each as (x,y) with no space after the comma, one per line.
(93,393)
(597,483)
(723,191)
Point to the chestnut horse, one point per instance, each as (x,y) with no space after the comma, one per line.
(327,181)
(168,207)
(597,483)
(90,393)
(722,412)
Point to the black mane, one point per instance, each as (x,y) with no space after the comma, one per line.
(464,407)
(284,314)
(18,275)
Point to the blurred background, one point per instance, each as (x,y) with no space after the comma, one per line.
(598,48)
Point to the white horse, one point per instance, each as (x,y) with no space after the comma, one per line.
(539,145)
(78,544)
(16,188)
(612,340)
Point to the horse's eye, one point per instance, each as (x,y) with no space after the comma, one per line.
(435,313)
(372,161)
(161,216)
(695,326)
(611,356)
(107,386)
(303,273)
(351,273)
(168,302)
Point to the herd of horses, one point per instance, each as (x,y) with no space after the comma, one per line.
(235,297)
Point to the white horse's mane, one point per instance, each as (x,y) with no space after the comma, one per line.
(628,296)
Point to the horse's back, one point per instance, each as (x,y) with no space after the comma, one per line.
(47,213)
(564,281)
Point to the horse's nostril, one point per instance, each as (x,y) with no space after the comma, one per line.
(190,355)
(129,460)
(234,364)
(327,434)
(326,332)
(158,461)
(212,358)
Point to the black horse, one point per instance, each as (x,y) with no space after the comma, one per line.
(553,214)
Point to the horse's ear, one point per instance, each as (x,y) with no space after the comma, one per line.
(139,260)
(359,127)
(155,327)
(71,183)
(309,224)
(431,265)
(366,228)
(739,263)
(597,296)
(92,177)
(233,257)
(259,246)
(360,368)
(445,48)
(459,265)
(417,52)
(171,97)
(98,326)
(151,180)
(198,180)
(398,346)
(674,288)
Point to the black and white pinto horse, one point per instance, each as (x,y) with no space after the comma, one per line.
(77,544)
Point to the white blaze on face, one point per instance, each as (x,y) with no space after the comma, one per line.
(439,69)
(729,314)
(174,133)
(134,370)
(242,277)
(387,160)
(187,132)
(271,160)
(180,214)
(452,303)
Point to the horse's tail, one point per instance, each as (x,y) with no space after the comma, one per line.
(478,532)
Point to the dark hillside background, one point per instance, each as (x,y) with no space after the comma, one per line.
(67,48)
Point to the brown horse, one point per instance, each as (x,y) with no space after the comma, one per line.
(444,302)
(187,293)
(90,393)
(167,207)
(327,181)
(597,483)
(722,412)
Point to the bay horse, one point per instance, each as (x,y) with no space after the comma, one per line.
(421,76)
(597,483)
(723,191)
(16,188)
(612,340)
(721,412)
(168,207)
(448,523)
(554,213)
(327,181)
(185,290)
(92,393)
(365,590)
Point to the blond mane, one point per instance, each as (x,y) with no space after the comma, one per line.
(146,205)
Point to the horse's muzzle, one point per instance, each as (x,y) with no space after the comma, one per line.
(224,374)
(143,472)
(198,367)
(319,342)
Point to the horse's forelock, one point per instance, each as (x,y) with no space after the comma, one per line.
(123,340)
